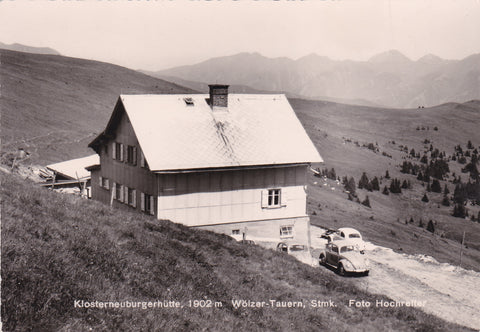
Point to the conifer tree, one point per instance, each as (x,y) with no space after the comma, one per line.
(385,191)
(363,182)
(420,176)
(366,202)
(375,184)
(436,187)
(420,223)
(425,198)
(445,201)
(430,226)
(445,190)
(459,210)
(350,186)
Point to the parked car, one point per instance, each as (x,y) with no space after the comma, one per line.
(353,236)
(247,241)
(291,247)
(345,257)
(299,251)
(328,233)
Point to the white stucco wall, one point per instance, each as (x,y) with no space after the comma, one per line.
(229,206)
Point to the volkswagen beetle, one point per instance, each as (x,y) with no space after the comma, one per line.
(345,257)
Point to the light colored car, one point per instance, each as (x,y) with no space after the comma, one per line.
(345,257)
(353,236)
(299,251)
(291,247)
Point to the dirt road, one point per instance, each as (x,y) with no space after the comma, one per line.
(449,292)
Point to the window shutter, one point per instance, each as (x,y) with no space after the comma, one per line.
(114,190)
(100,183)
(142,201)
(114,150)
(152,208)
(134,197)
(121,193)
(142,159)
(125,153)
(125,194)
(283,197)
(264,198)
(134,156)
(121,152)
(107,184)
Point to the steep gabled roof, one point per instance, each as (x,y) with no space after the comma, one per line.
(181,132)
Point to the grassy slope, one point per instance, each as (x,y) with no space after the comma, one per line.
(53,106)
(58,248)
(328,124)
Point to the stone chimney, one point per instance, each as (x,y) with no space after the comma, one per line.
(218,95)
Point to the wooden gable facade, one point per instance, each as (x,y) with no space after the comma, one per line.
(123,179)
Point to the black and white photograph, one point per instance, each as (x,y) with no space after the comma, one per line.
(240,165)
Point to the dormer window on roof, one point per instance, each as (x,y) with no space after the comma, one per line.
(189,101)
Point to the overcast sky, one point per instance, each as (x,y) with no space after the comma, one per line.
(160,34)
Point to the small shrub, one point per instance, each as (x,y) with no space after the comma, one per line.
(445,201)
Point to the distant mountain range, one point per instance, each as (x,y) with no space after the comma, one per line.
(28,49)
(388,79)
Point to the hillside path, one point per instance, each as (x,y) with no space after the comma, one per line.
(451,292)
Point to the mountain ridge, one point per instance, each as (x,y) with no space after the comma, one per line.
(28,49)
(389,78)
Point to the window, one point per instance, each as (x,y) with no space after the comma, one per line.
(286,231)
(188,101)
(147,203)
(103,182)
(273,197)
(132,155)
(335,248)
(347,248)
(117,151)
(235,232)
(132,197)
(143,162)
(119,192)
